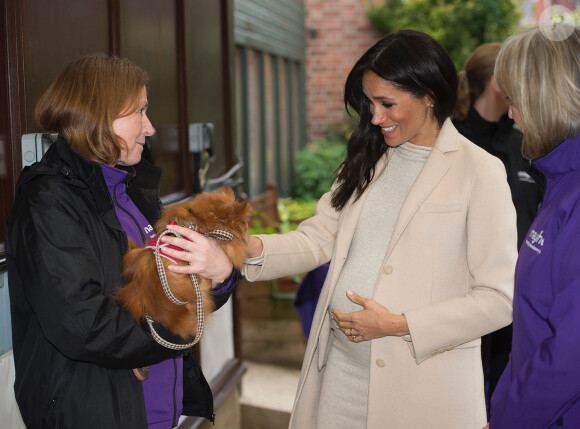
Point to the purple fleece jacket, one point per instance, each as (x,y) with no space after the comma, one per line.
(163,390)
(540,387)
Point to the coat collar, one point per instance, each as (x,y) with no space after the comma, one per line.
(431,174)
(562,159)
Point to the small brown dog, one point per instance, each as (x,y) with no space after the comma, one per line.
(144,295)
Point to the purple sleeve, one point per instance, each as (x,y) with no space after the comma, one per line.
(226,285)
(545,386)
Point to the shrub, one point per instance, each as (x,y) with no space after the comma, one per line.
(316,164)
(459,25)
(292,212)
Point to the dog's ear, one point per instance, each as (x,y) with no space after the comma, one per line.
(244,209)
(227,192)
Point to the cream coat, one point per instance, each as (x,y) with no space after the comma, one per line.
(449,269)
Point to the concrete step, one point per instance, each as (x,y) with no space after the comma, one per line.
(267,395)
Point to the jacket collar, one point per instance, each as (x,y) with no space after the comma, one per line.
(61,160)
(564,158)
(432,172)
(447,140)
(487,128)
(114,176)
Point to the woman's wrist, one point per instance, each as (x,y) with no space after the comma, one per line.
(396,326)
(226,284)
(224,275)
(255,247)
(403,327)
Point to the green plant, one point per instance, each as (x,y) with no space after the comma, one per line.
(316,164)
(292,212)
(315,167)
(459,25)
(262,224)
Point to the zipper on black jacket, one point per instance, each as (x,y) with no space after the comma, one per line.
(54,401)
(117,204)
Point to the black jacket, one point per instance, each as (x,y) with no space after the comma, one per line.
(504,141)
(74,348)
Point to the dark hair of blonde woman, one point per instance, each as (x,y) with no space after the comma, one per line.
(541,78)
(476,74)
(84,100)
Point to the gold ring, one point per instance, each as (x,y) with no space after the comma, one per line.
(351,332)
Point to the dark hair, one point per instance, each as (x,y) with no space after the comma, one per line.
(84,100)
(476,74)
(413,62)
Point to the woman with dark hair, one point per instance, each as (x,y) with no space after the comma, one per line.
(481,116)
(540,388)
(74,347)
(420,232)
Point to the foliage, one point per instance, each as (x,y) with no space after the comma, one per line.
(459,25)
(316,164)
(262,224)
(292,212)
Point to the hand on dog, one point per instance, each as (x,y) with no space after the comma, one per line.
(203,255)
(211,259)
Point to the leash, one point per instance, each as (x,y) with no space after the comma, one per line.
(216,234)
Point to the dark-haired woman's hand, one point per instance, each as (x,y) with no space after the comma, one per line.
(373,321)
(203,255)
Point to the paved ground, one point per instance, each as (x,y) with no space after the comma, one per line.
(269,386)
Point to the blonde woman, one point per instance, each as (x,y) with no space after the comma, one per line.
(540,387)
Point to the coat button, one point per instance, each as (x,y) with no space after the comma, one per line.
(380,363)
(388,269)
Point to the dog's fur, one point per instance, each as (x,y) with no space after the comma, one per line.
(143,293)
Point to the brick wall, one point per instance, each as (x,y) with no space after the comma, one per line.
(338,33)
(542,4)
